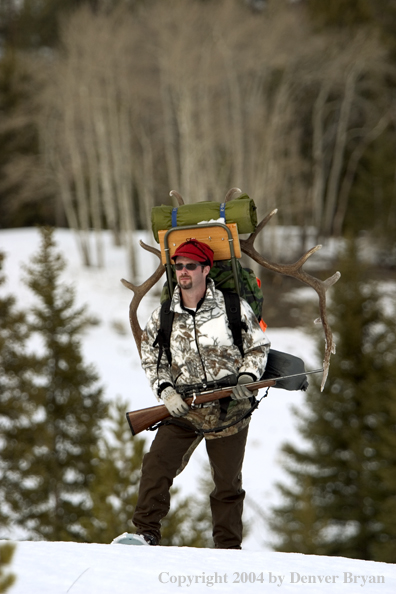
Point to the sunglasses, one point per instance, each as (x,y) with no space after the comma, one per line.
(189,266)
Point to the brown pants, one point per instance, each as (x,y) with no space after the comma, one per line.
(160,466)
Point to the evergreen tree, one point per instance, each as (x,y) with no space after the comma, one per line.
(28,24)
(33,24)
(342,496)
(50,458)
(16,406)
(117,473)
(6,554)
(375,184)
(114,492)
(340,12)
(376,14)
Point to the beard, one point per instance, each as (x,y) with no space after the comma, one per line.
(185,283)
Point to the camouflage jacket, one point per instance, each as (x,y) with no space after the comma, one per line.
(202,349)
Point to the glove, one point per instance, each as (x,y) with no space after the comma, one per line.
(174,402)
(240,392)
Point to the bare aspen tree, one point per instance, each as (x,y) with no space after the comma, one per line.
(340,146)
(145,176)
(318,157)
(56,143)
(186,86)
(93,101)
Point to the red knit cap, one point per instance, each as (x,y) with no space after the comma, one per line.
(195,250)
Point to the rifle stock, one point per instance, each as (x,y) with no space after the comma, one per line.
(142,419)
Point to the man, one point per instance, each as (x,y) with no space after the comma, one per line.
(203,352)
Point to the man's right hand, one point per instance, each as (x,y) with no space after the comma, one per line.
(174,402)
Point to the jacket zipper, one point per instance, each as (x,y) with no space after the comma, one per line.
(205,379)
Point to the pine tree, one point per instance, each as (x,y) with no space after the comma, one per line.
(6,554)
(342,498)
(50,458)
(114,492)
(341,12)
(117,473)
(375,183)
(16,406)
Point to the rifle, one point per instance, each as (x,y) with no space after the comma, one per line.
(145,418)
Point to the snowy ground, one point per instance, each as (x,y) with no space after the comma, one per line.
(54,567)
(60,568)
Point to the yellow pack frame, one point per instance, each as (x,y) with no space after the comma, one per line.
(223,239)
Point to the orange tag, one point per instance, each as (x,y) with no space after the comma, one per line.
(263,325)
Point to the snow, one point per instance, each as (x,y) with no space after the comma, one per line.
(70,567)
(55,568)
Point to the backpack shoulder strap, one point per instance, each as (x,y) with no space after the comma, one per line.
(233,310)
(164,332)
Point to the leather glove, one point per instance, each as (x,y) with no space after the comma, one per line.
(240,392)
(174,402)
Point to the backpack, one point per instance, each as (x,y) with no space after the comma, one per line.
(278,363)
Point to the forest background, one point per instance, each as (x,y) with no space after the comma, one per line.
(107,105)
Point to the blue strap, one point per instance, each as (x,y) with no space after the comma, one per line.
(174,217)
(222,210)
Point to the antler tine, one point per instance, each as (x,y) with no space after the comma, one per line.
(330,344)
(295,271)
(177,196)
(231,194)
(151,249)
(139,292)
(261,226)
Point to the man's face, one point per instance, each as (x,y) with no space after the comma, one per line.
(189,279)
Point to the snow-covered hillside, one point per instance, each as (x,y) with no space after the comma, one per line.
(52,568)
(60,568)
(68,567)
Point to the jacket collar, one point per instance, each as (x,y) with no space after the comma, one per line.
(209,301)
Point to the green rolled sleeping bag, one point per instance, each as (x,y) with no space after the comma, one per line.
(241,211)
